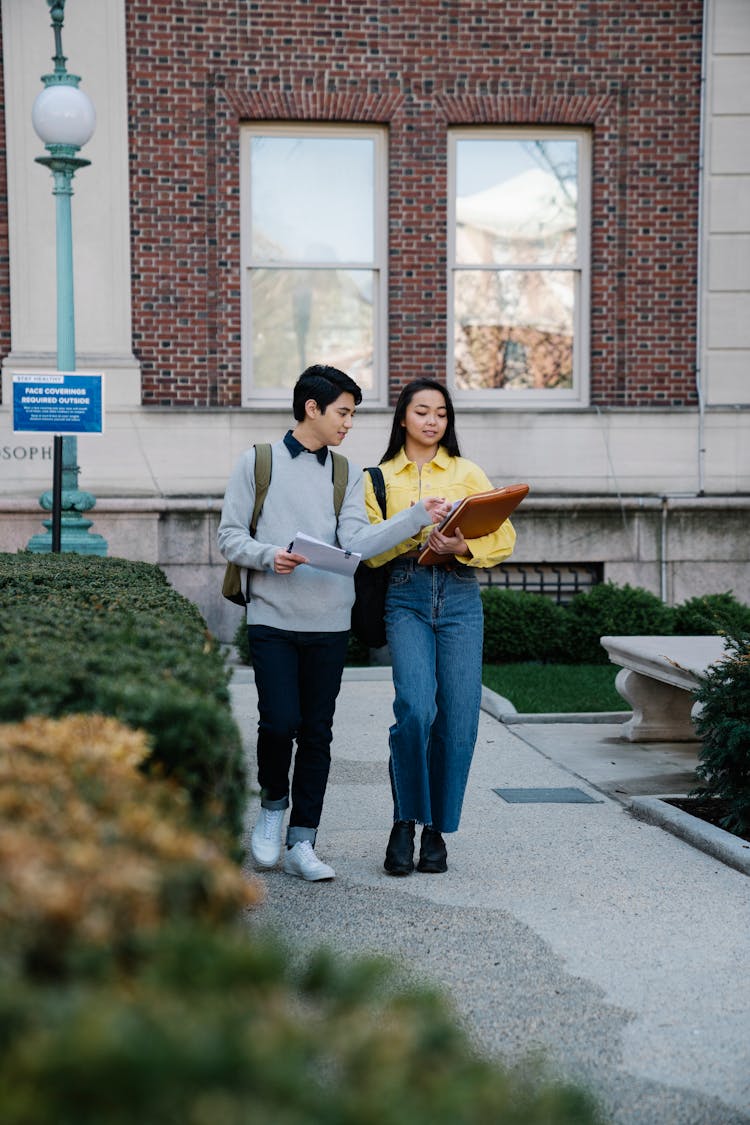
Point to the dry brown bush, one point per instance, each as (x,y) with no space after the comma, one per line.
(92,851)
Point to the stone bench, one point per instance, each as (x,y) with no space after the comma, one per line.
(656,677)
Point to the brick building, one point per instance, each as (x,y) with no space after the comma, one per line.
(546,204)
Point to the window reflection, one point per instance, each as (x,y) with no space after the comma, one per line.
(312,199)
(516,276)
(516,202)
(300,315)
(514,329)
(313,252)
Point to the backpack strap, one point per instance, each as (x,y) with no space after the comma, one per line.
(263,464)
(262,481)
(340,472)
(378,487)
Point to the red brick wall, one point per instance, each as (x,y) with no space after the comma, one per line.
(631,72)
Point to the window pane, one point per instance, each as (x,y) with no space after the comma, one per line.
(312,199)
(311,316)
(514,329)
(516,202)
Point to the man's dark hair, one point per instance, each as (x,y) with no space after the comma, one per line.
(398,433)
(324,384)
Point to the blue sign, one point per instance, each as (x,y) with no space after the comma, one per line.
(59,402)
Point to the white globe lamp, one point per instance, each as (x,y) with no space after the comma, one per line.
(63,115)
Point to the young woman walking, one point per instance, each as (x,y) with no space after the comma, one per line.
(435,628)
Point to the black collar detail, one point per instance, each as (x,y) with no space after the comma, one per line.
(296,447)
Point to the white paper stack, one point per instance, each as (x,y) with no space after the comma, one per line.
(323,555)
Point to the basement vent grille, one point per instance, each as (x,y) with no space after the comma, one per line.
(559,581)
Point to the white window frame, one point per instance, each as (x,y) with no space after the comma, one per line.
(578,394)
(378,395)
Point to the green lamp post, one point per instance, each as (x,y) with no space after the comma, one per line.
(64,119)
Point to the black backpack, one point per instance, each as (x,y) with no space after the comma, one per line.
(370,585)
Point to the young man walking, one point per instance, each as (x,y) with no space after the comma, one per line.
(298,616)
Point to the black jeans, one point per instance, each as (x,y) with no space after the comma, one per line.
(298,676)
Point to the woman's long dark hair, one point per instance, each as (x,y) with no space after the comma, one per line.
(398,433)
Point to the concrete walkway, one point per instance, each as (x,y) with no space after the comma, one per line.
(615,947)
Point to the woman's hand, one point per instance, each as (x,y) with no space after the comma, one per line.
(285,561)
(448,544)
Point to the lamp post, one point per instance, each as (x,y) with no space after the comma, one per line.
(64,119)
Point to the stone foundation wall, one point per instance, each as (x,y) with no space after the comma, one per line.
(676,547)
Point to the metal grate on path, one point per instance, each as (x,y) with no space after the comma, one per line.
(562,796)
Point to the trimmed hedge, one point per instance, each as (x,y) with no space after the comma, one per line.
(80,634)
(711,613)
(521,627)
(214,1028)
(128,991)
(528,627)
(607,610)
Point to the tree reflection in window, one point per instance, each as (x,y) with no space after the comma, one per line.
(313,252)
(516,270)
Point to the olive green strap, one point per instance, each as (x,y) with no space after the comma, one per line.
(262,481)
(340,472)
(340,480)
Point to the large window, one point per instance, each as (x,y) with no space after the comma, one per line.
(519,265)
(313,255)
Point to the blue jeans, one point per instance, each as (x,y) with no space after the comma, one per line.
(435,627)
(298,676)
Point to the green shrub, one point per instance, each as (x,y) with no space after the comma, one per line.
(519,627)
(711,613)
(100,584)
(609,610)
(242,644)
(724,726)
(108,636)
(215,1028)
(128,991)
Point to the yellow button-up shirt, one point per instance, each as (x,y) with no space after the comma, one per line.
(450,477)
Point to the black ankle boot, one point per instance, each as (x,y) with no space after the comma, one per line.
(433,855)
(399,855)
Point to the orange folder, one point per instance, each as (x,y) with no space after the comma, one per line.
(477,515)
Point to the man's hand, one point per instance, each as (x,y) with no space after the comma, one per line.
(448,544)
(285,562)
(437,507)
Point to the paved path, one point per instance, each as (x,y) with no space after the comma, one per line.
(618,949)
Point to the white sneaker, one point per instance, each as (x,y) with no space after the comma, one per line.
(301,860)
(265,842)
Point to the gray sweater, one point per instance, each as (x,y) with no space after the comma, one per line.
(300,498)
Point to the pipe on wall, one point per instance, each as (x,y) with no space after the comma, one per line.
(700,259)
(663,549)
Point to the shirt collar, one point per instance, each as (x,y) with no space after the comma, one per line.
(296,447)
(441,459)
